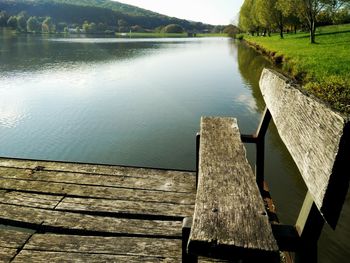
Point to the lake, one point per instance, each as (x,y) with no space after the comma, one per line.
(138,102)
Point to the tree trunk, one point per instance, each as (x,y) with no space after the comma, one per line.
(281,31)
(312,32)
(281,25)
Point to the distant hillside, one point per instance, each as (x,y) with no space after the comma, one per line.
(114,15)
(114,5)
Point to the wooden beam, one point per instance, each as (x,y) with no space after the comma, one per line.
(259,139)
(309,226)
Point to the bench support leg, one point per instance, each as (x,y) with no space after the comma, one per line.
(309,226)
(186,230)
(198,137)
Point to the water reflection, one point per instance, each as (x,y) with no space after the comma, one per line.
(12,109)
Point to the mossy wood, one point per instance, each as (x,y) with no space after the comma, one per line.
(317,138)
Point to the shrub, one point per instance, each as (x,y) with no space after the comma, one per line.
(335,90)
(173,28)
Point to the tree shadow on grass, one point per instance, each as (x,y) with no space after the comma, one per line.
(324,34)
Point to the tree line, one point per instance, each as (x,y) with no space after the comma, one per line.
(266,16)
(100,13)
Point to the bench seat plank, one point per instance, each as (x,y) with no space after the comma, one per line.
(230,220)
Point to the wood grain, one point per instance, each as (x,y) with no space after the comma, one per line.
(178,184)
(230,218)
(12,238)
(76,190)
(65,221)
(125,207)
(93,168)
(317,138)
(26,256)
(106,245)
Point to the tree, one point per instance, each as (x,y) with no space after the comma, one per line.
(61,26)
(269,15)
(12,22)
(137,28)
(231,31)
(22,23)
(33,25)
(3,18)
(48,26)
(309,10)
(173,28)
(247,21)
(89,28)
(101,27)
(339,11)
(123,26)
(86,26)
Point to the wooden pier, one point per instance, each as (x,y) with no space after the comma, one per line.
(92,213)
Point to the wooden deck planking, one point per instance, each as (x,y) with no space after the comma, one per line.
(104,225)
(30,199)
(121,208)
(125,207)
(96,169)
(114,193)
(10,242)
(58,248)
(173,184)
(45,256)
(95,213)
(130,246)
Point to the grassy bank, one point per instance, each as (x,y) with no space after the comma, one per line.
(323,68)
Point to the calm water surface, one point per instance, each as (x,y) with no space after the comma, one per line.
(138,102)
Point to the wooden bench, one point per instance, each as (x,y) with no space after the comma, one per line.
(230,219)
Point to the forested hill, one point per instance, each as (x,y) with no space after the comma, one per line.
(114,5)
(113,15)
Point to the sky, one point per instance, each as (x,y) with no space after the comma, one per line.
(216,12)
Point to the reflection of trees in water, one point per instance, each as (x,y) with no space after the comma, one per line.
(281,172)
(35,52)
(251,64)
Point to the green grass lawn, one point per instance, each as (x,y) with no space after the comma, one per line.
(323,68)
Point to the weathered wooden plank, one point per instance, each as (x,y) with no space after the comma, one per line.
(125,207)
(97,191)
(94,168)
(317,137)
(230,218)
(12,238)
(30,199)
(63,221)
(171,184)
(26,256)
(6,254)
(152,247)
(10,242)
(91,205)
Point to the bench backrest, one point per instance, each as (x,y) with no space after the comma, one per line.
(317,138)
